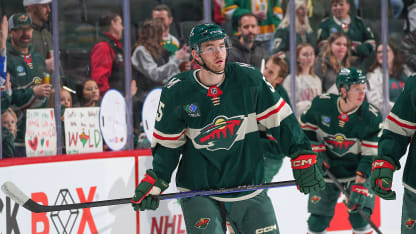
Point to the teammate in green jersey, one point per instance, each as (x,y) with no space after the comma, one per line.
(399,130)
(210,116)
(343,129)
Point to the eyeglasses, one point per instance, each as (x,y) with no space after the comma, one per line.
(214,50)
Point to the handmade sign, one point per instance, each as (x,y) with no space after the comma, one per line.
(40,137)
(113,122)
(82,131)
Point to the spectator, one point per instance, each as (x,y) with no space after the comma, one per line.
(334,56)
(163,13)
(217,12)
(316,11)
(410,15)
(268,12)
(151,61)
(89,94)
(26,67)
(107,56)
(303,30)
(3,39)
(308,85)
(39,11)
(396,77)
(361,36)
(245,49)
(5,85)
(65,99)
(8,132)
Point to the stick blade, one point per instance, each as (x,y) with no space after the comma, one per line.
(11,190)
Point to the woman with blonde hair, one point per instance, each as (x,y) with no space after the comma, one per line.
(335,55)
(304,32)
(8,131)
(308,85)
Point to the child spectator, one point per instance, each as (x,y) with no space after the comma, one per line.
(8,131)
(90,94)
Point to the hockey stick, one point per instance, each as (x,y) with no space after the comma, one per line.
(346,194)
(22,199)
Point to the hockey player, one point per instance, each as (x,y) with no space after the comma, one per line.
(210,116)
(343,129)
(399,131)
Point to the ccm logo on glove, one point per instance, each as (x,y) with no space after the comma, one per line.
(382,164)
(303,161)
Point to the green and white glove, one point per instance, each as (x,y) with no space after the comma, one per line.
(359,194)
(150,185)
(307,174)
(382,177)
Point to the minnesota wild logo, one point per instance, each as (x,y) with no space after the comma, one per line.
(315,199)
(220,134)
(410,223)
(340,144)
(202,223)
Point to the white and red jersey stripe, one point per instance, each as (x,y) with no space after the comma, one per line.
(399,126)
(168,140)
(308,126)
(369,148)
(275,114)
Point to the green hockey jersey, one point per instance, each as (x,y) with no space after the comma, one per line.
(360,34)
(216,130)
(399,130)
(234,9)
(26,71)
(350,138)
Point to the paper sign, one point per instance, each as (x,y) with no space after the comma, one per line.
(40,138)
(82,132)
(149,111)
(113,122)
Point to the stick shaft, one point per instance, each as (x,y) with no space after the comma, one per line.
(359,209)
(37,208)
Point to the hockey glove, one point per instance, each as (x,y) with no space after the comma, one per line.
(150,185)
(307,173)
(382,177)
(359,193)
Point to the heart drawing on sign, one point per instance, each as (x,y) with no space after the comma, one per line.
(33,143)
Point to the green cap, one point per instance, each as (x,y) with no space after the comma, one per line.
(19,20)
(349,76)
(203,33)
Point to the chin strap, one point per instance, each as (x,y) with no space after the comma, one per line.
(204,65)
(209,69)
